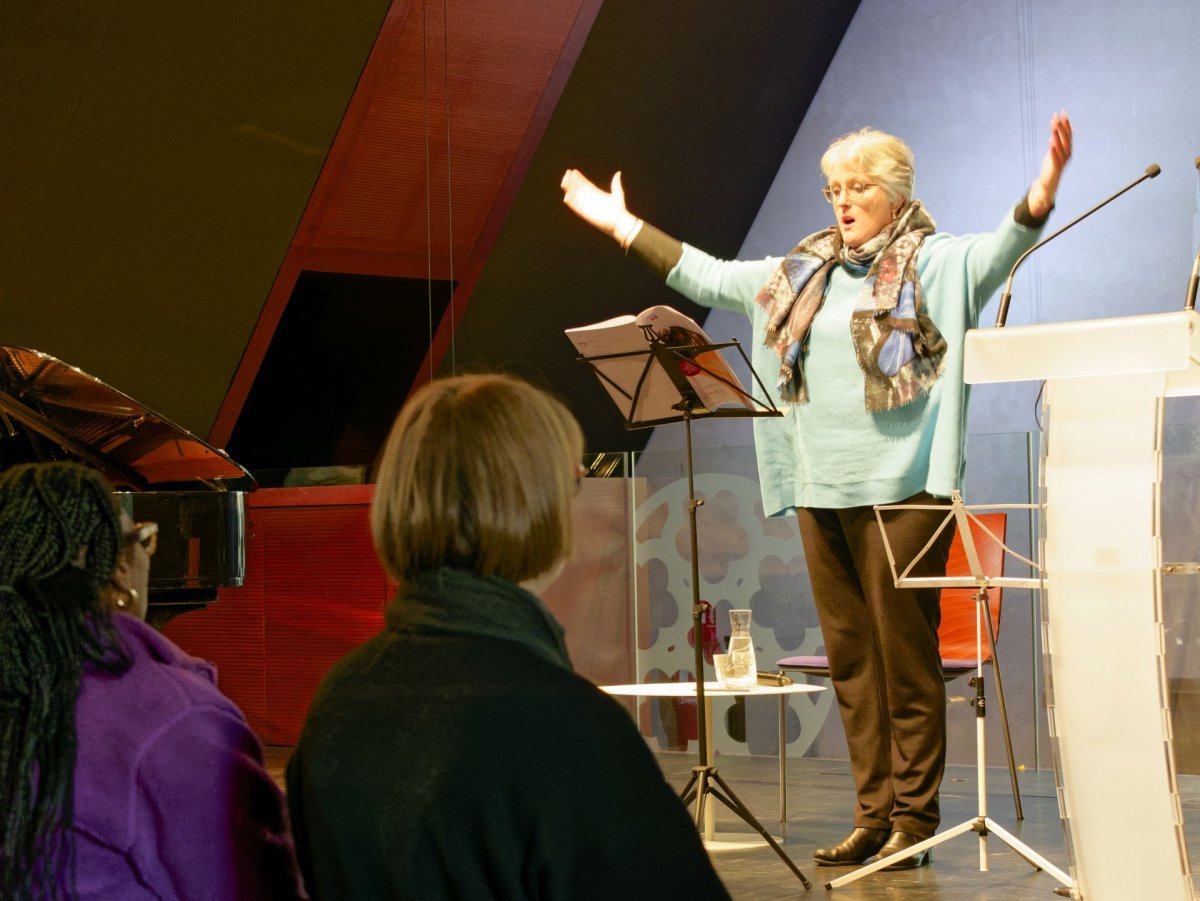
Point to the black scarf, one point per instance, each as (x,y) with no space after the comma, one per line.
(458,601)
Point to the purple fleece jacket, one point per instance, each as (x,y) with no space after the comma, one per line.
(171,796)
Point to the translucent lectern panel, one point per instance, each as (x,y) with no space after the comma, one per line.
(1132,344)
(1181,578)
(1181,599)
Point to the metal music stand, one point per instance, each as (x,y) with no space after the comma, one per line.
(981,823)
(672,360)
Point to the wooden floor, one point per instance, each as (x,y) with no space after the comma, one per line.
(819,802)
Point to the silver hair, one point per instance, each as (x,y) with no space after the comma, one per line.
(881,156)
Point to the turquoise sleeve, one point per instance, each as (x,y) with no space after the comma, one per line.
(726,284)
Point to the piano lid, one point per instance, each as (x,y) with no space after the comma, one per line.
(134,446)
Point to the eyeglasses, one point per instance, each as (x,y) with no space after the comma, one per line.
(145,534)
(854,191)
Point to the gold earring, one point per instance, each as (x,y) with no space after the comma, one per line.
(121,602)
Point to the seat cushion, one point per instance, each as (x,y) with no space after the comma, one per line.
(819,666)
(957,667)
(812,666)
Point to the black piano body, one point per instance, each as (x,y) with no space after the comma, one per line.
(50,410)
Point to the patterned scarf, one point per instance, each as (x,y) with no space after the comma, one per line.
(899,349)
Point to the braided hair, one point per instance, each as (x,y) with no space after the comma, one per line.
(52,621)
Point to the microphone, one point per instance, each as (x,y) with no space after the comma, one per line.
(1151,171)
(1190,304)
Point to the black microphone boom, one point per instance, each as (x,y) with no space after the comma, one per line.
(1190,303)
(1151,171)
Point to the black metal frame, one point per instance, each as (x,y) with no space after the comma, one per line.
(705,780)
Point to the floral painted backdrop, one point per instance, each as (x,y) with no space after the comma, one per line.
(746,560)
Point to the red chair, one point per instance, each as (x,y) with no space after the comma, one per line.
(956,634)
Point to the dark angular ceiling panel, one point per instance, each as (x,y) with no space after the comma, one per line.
(449,110)
(154,162)
(697,104)
(157,162)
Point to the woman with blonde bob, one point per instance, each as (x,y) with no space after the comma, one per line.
(457,754)
(863,324)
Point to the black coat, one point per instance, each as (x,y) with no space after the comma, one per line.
(456,755)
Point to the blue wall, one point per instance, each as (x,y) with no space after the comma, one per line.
(971,86)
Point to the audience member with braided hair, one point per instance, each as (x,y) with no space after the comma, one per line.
(124,773)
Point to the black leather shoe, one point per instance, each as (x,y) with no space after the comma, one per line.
(859,845)
(901,841)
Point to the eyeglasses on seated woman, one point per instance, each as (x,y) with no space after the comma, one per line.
(124,772)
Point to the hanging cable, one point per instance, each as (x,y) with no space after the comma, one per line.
(1030,131)
(428,202)
(1031,158)
(449,194)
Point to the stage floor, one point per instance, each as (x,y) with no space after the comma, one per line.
(819,800)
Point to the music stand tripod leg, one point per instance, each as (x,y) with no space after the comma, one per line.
(725,795)
(700,786)
(1012,766)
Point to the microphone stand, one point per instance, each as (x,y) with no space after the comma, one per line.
(1190,303)
(1002,314)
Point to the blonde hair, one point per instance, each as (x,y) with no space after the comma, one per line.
(882,156)
(478,472)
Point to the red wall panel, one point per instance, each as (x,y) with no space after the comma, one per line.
(327,596)
(314,590)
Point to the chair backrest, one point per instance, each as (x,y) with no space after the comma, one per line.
(956,634)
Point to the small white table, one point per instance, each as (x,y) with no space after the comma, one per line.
(714,690)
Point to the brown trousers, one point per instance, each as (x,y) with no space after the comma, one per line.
(882,646)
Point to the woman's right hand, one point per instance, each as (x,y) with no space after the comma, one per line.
(603,209)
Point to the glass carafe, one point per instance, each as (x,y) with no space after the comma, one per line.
(742,671)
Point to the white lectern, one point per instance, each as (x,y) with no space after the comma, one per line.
(1101,481)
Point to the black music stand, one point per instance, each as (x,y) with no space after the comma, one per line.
(672,360)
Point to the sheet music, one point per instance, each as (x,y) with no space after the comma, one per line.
(714,382)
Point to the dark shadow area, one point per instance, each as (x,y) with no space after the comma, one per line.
(338,370)
(698,109)
(155,159)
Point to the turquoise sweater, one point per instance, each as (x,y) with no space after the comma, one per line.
(832,452)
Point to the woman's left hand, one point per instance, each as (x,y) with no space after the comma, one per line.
(1045,186)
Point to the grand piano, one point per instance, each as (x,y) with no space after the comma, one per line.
(50,410)
(292,570)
